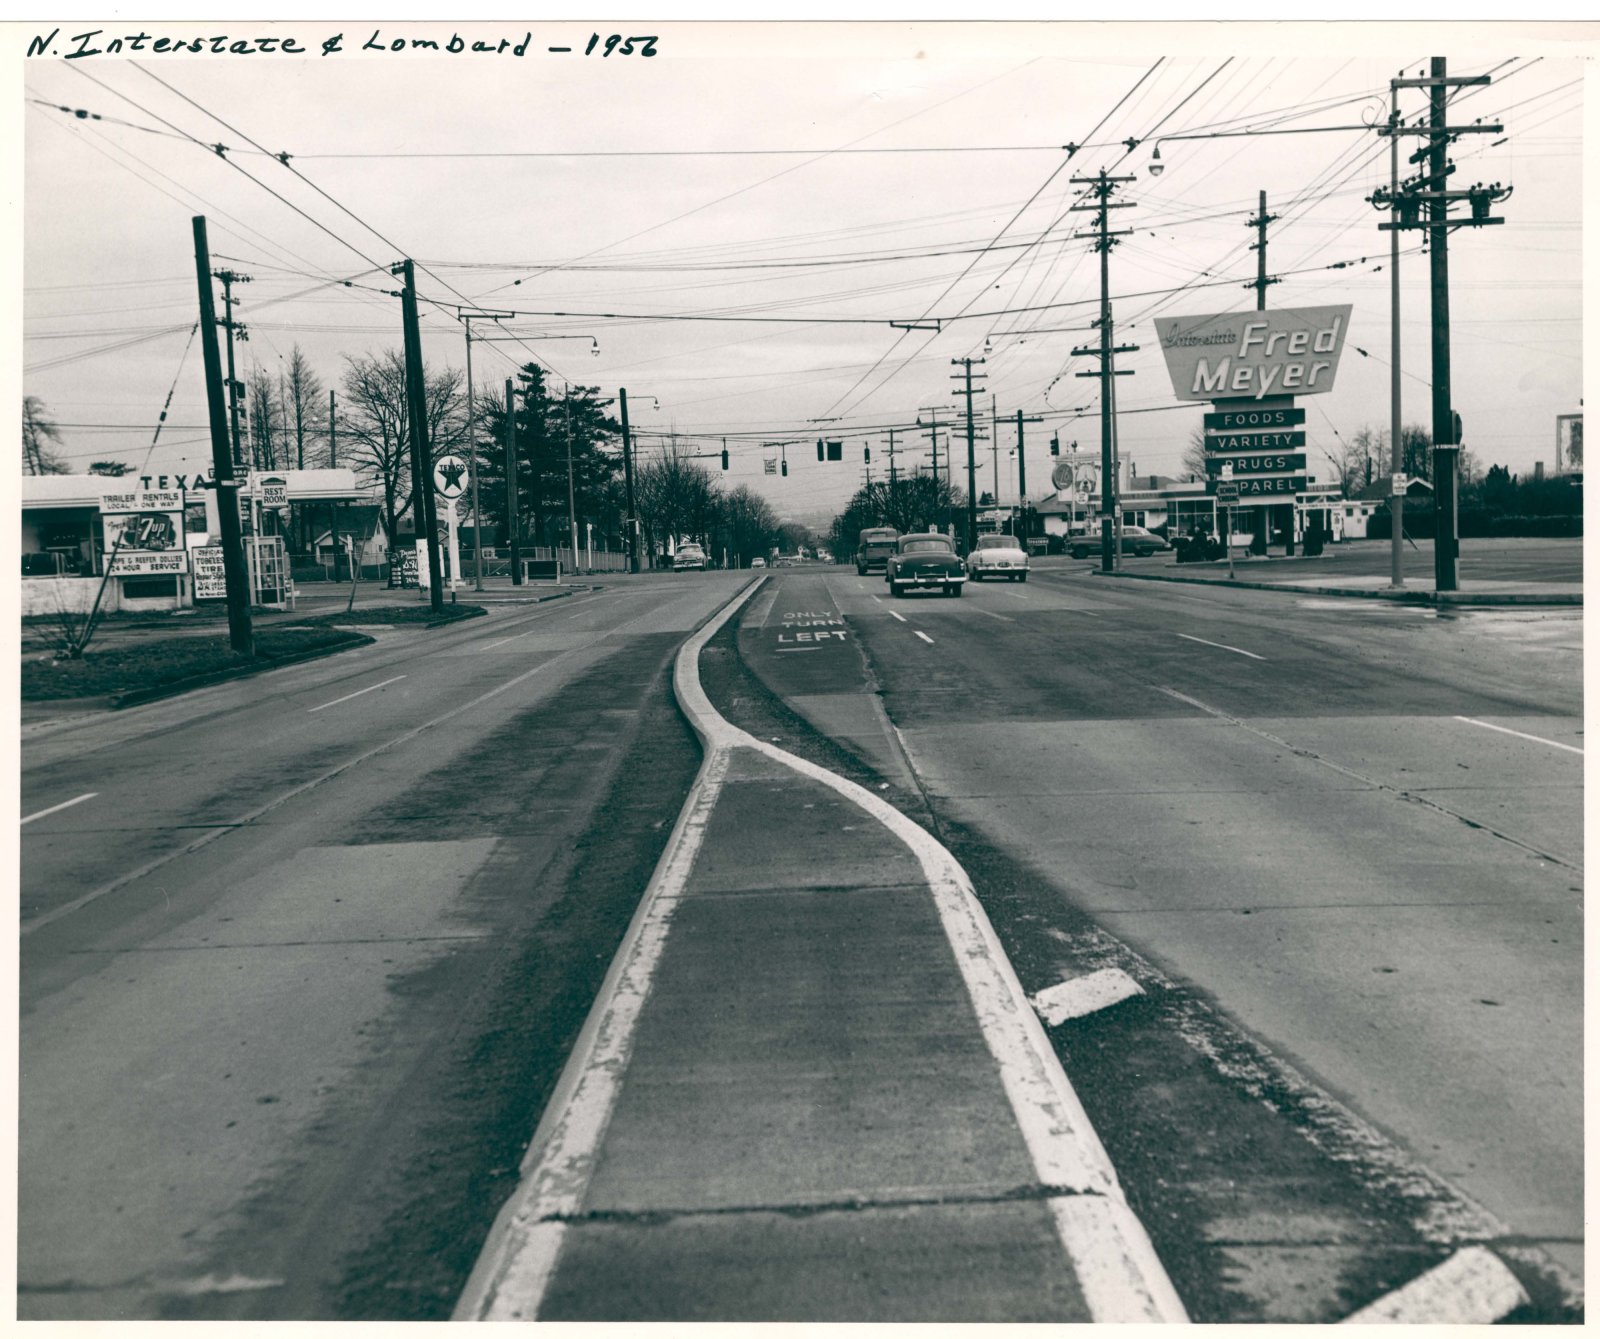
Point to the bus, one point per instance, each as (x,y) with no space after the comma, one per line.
(874,547)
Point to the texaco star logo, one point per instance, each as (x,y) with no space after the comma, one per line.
(448,476)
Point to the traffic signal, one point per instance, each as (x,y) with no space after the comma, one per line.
(724,457)
(866,454)
(835,450)
(786,469)
(1055,446)
(820,453)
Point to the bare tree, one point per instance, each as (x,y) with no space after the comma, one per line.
(303,404)
(377,433)
(264,408)
(113,469)
(37,433)
(1193,460)
(676,499)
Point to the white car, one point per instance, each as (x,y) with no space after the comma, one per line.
(758,562)
(689,557)
(998,556)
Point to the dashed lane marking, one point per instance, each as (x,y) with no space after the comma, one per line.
(1472,1287)
(989,613)
(923,635)
(901,617)
(57,808)
(1412,797)
(1221,646)
(1085,995)
(370,688)
(1537,739)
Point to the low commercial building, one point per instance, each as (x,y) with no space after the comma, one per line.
(152,542)
(1177,506)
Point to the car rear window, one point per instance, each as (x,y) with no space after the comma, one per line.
(926,546)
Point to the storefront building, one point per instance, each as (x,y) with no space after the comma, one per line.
(158,538)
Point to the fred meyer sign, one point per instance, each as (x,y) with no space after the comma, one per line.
(1251,355)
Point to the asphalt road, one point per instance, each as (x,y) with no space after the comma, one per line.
(1356,828)
(302,955)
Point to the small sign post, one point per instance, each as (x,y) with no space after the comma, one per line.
(449,482)
(1228,491)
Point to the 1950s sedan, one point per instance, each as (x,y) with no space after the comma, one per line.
(925,562)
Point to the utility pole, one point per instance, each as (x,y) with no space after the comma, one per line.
(994,446)
(972,469)
(229,279)
(1102,187)
(572,508)
(333,435)
(931,428)
(467,318)
(236,579)
(1022,470)
(1397,459)
(1260,283)
(511,482)
(630,523)
(422,507)
(1405,202)
(1259,246)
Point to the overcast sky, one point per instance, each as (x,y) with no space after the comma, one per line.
(616,185)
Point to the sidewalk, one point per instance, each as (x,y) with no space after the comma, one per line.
(811,1090)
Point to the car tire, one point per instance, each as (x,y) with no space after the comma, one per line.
(1078,551)
(1022,576)
(954,591)
(977,576)
(895,591)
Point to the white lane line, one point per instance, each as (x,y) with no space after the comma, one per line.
(1537,739)
(901,617)
(989,613)
(786,650)
(1014,594)
(1472,1287)
(336,701)
(878,599)
(1221,646)
(57,808)
(923,635)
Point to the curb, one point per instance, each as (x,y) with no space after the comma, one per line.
(1397,597)
(139,696)
(1117,1269)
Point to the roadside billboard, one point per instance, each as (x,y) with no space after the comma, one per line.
(1253,354)
(145,530)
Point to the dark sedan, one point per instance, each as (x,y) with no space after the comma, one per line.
(925,562)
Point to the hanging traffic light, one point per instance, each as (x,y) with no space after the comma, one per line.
(835,450)
(820,454)
(724,457)
(786,469)
(1055,446)
(866,454)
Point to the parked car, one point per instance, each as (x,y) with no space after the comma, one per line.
(689,558)
(998,556)
(758,562)
(923,562)
(1135,540)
